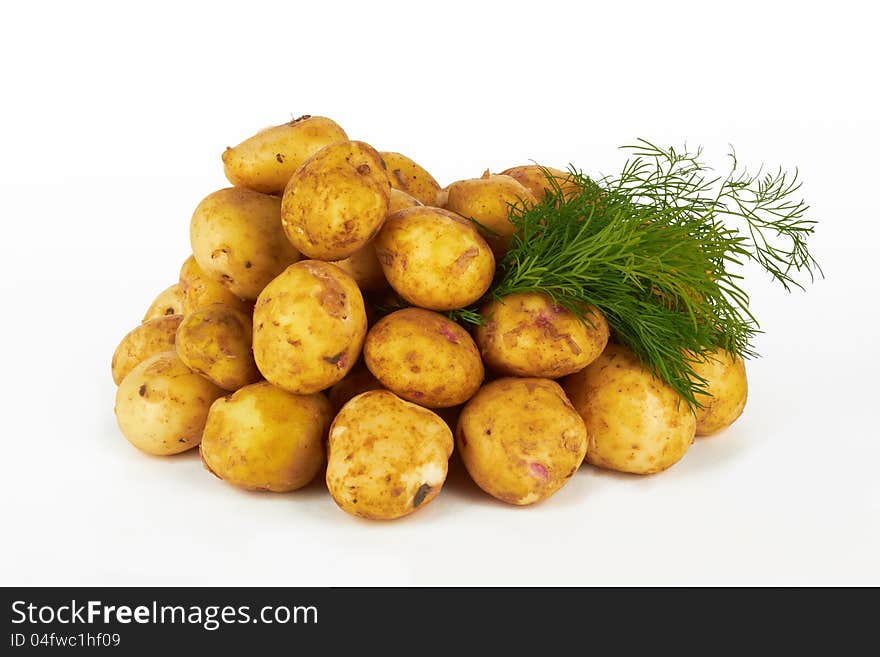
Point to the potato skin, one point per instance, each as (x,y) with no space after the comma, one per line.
(162,405)
(386,456)
(729,390)
(199,290)
(168,302)
(267,160)
(309,327)
(263,438)
(336,202)
(409,177)
(534,178)
(527,334)
(424,357)
(215,341)
(487,200)
(363,265)
(358,380)
(152,337)
(520,439)
(453,272)
(238,241)
(636,422)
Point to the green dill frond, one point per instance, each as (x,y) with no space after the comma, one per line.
(465,316)
(650,248)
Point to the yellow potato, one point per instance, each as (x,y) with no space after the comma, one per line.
(528,335)
(151,337)
(487,200)
(363,265)
(168,302)
(424,357)
(398,200)
(358,380)
(215,341)
(266,161)
(636,422)
(520,439)
(162,405)
(386,456)
(237,239)
(309,326)
(199,290)
(434,259)
(728,387)
(263,438)
(409,177)
(336,202)
(441,198)
(534,178)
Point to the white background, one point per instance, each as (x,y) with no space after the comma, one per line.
(113,121)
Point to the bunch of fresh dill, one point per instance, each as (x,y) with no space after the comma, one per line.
(658,249)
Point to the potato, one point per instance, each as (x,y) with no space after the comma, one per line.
(424,357)
(728,387)
(199,290)
(528,335)
(151,337)
(263,438)
(336,202)
(434,259)
(520,439)
(237,240)
(358,380)
(168,302)
(636,422)
(386,456)
(534,178)
(266,161)
(409,177)
(215,341)
(488,200)
(162,405)
(398,200)
(363,266)
(309,326)
(441,199)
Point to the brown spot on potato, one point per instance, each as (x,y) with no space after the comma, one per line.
(248,264)
(142,391)
(332,297)
(279,157)
(461,262)
(420,495)
(540,471)
(301,118)
(337,359)
(364,169)
(448,334)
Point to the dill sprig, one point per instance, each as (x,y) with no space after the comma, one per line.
(658,250)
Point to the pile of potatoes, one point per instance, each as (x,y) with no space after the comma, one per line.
(307,336)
